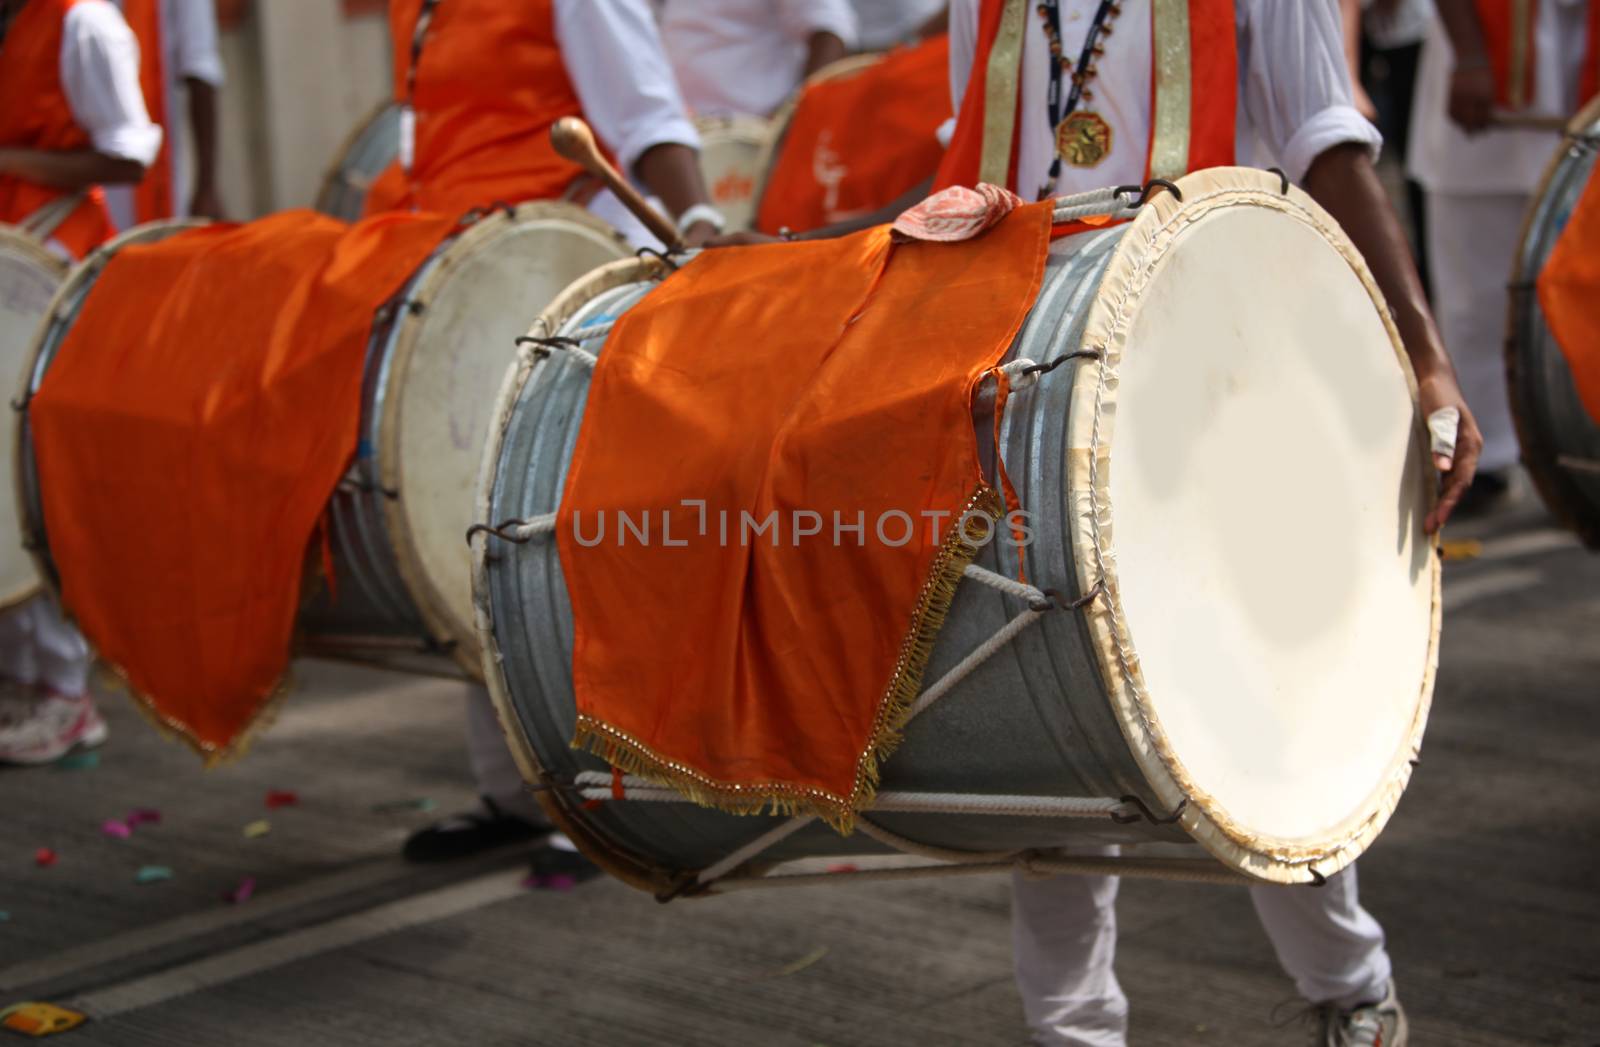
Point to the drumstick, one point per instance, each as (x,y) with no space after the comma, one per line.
(574,141)
(1528,121)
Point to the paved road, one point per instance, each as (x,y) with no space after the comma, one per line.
(1485,882)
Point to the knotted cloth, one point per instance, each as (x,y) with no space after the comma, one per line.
(794,387)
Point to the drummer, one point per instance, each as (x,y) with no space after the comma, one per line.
(746,57)
(85,125)
(569,50)
(1480,173)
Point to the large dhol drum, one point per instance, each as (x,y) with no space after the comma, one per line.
(1560,441)
(365,154)
(438,352)
(29,276)
(1228,504)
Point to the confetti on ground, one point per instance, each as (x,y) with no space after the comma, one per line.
(241,893)
(5,917)
(281,798)
(1464,549)
(143,816)
(39,1019)
(788,969)
(79,761)
(844,867)
(112,827)
(256,830)
(549,882)
(422,803)
(44,857)
(152,874)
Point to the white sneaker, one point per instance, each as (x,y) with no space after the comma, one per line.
(42,728)
(1381,1024)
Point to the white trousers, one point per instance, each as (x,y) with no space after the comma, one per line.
(493,767)
(1064,939)
(1472,243)
(38,647)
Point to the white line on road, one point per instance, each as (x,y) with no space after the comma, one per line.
(1461,594)
(298,945)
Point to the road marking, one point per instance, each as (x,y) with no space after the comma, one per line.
(1528,543)
(242,962)
(1461,594)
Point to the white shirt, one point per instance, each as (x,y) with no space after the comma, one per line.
(885,23)
(745,57)
(1295,100)
(1404,26)
(1446,160)
(189,52)
(614,56)
(100,75)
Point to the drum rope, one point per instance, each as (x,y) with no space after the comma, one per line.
(1032,864)
(779,833)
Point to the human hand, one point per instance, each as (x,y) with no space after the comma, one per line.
(1472,97)
(698,234)
(1438,392)
(206,203)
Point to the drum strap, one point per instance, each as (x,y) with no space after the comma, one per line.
(43,223)
(408,109)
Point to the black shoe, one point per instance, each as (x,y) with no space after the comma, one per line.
(463,835)
(1487,492)
(554,869)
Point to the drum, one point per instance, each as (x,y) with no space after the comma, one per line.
(29,276)
(1560,441)
(779,130)
(402,573)
(365,154)
(730,152)
(1227,485)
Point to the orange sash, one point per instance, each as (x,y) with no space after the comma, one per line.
(1208,95)
(189,435)
(1569,287)
(1510,33)
(774,666)
(152,197)
(834,165)
(489,85)
(30,70)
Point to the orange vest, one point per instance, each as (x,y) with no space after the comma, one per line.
(489,85)
(1211,90)
(152,197)
(1509,33)
(30,68)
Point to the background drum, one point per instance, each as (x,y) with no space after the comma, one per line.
(1560,442)
(437,354)
(1242,482)
(730,157)
(29,276)
(779,128)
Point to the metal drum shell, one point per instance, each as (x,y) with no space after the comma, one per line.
(365,154)
(1553,427)
(1055,746)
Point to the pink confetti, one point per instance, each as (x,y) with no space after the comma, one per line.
(844,867)
(281,798)
(143,816)
(241,893)
(112,827)
(44,857)
(550,882)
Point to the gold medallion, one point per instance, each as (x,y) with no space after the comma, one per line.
(1083,139)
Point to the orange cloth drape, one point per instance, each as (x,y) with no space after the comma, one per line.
(1569,293)
(774,665)
(1212,88)
(490,84)
(152,197)
(35,114)
(188,436)
(835,165)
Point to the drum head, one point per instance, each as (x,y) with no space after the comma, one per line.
(29,276)
(730,154)
(1249,479)
(449,360)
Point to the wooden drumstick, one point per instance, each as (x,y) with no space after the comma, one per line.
(1528,121)
(574,141)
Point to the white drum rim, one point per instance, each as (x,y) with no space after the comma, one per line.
(566,305)
(1108,326)
(32,250)
(410,558)
(778,131)
(84,271)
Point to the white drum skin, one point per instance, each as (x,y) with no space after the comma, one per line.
(731,149)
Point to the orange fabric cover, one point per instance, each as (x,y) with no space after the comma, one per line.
(1213,93)
(1497,19)
(489,86)
(30,69)
(858,143)
(1569,290)
(189,435)
(747,672)
(152,197)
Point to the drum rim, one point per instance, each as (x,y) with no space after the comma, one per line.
(636,871)
(34,251)
(86,270)
(1156,228)
(330,176)
(410,558)
(1554,488)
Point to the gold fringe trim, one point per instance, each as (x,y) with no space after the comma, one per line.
(632,756)
(212,756)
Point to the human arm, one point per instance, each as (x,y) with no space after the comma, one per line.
(829,28)
(822,50)
(1472,85)
(1350,16)
(205,202)
(199,62)
(70,169)
(100,76)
